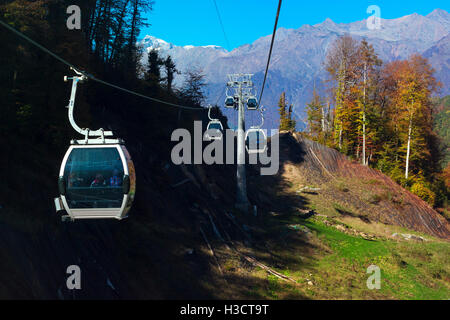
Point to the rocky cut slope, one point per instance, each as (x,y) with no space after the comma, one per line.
(346,188)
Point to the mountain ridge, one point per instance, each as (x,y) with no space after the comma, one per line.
(298,56)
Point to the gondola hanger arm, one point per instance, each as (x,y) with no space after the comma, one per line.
(261,110)
(209,113)
(83,131)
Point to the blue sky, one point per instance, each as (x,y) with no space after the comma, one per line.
(195,22)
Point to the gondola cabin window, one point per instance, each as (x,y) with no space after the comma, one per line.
(94,178)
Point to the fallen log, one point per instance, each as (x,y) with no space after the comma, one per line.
(270,270)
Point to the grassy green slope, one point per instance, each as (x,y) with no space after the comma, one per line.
(327,255)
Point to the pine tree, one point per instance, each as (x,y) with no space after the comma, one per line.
(154,67)
(315,113)
(171,70)
(284,115)
(291,122)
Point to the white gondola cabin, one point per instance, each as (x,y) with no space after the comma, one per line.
(252,103)
(255,140)
(214,131)
(229,102)
(97,181)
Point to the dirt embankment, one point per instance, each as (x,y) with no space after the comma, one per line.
(369,191)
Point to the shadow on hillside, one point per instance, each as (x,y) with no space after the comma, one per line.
(266,236)
(180,206)
(146,256)
(346,213)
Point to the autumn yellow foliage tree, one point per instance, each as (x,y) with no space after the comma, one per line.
(383,115)
(410,112)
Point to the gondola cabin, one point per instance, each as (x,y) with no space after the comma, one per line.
(255,140)
(214,131)
(229,102)
(97,181)
(252,104)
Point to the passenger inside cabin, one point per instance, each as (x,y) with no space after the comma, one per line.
(115,180)
(74,180)
(98,181)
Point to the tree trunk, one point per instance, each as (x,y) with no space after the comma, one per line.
(93,23)
(328,120)
(357,149)
(133,26)
(118,36)
(409,147)
(364,116)
(364,139)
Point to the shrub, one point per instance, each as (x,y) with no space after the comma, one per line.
(423,192)
(446,175)
(446,214)
(373,198)
(377,198)
(341,186)
(441,192)
(398,175)
(373,181)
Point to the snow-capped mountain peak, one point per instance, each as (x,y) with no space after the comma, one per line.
(151,42)
(298,54)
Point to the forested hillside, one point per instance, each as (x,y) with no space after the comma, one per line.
(382,115)
(442,127)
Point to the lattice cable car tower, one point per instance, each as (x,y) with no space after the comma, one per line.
(243,93)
